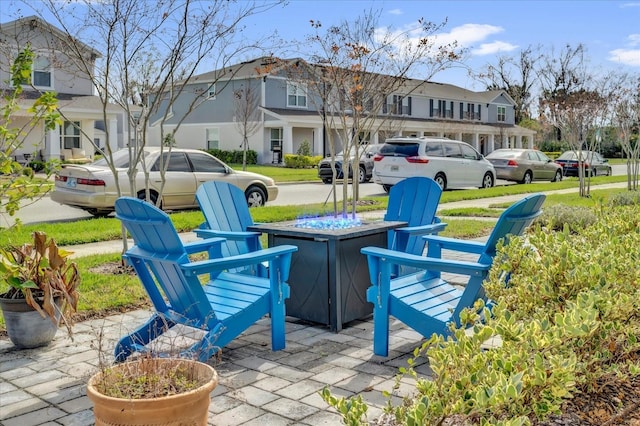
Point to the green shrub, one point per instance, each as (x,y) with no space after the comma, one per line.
(37,165)
(304,148)
(235,156)
(294,161)
(625,198)
(556,217)
(565,308)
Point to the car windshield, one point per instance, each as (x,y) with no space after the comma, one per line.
(503,154)
(120,159)
(399,149)
(570,155)
(361,150)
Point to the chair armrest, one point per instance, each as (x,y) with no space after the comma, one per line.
(229,235)
(241,260)
(455,244)
(204,245)
(433,228)
(393,257)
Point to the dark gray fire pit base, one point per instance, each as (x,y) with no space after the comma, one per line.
(329,276)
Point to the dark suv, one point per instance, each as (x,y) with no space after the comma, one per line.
(365,171)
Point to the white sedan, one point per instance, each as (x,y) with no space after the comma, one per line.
(92,187)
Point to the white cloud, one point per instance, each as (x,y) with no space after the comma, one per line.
(493,48)
(395,12)
(468,34)
(634,39)
(625,56)
(632,4)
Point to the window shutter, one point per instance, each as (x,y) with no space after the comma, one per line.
(461,110)
(430,107)
(409,98)
(479,112)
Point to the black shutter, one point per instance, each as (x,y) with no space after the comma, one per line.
(430,107)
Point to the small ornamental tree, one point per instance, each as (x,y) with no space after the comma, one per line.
(17,181)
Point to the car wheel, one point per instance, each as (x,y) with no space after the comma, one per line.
(441,180)
(387,188)
(255,196)
(98,213)
(153,198)
(327,181)
(557,177)
(527,178)
(487,180)
(362,175)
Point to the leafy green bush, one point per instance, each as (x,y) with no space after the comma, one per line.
(556,217)
(234,156)
(37,165)
(625,198)
(304,148)
(565,309)
(294,161)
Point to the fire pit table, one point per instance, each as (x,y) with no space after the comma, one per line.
(329,276)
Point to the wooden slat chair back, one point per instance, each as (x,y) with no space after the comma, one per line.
(222,306)
(413,200)
(423,300)
(227,215)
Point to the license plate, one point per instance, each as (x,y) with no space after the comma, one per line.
(71,182)
(395,168)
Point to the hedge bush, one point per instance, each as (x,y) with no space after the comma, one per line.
(556,217)
(235,156)
(565,308)
(294,161)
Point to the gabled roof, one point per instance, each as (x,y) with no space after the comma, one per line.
(254,68)
(14,28)
(269,65)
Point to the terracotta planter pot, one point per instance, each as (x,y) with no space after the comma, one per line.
(25,326)
(189,408)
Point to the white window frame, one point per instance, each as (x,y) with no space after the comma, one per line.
(211,92)
(212,138)
(75,127)
(49,70)
(501,113)
(299,93)
(276,139)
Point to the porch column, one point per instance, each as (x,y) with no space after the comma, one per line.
(530,142)
(287,140)
(375,138)
(505,141)
(459,136)
(112,138)
(518,141)
(475,141)
(317,141)
(441,134)
(491,144)
(52,144)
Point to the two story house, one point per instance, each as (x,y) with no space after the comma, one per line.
(287,114)
(82,130)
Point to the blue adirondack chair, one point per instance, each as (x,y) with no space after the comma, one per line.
(227,215)
(423,300)
(222,307)
(413,200)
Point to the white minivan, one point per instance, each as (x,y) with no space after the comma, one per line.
(451,163)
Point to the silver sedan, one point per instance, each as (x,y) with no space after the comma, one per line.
(524,165)
(92,187)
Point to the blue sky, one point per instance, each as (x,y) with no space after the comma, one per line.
(609,29)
